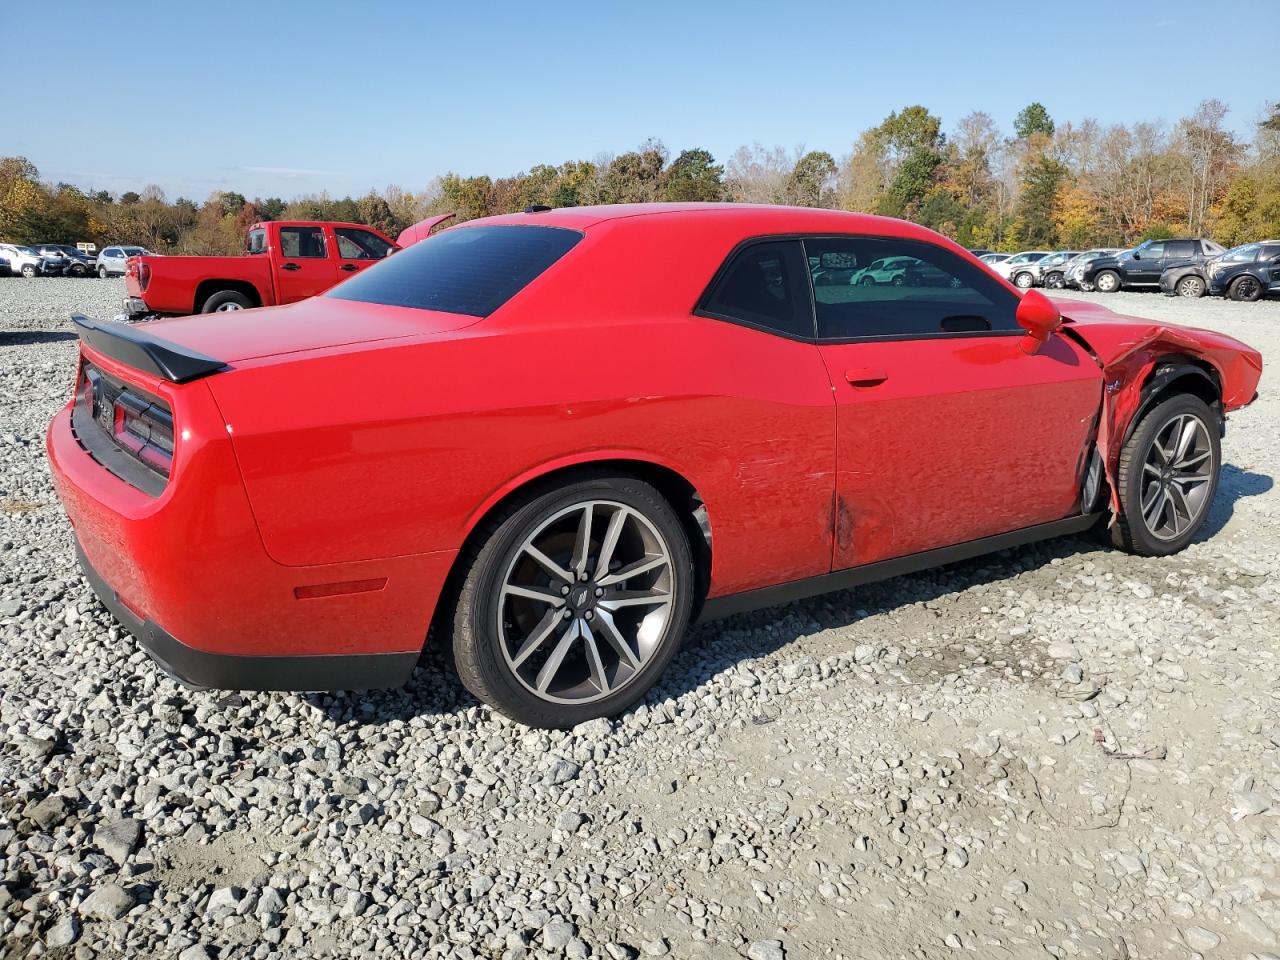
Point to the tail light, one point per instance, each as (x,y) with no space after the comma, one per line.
(133,421)
(144,275)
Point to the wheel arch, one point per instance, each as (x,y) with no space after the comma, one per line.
(679,492)
(207,288)
(1178,373)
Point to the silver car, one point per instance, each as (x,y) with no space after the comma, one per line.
(112,260)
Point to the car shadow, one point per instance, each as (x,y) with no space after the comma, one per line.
(710,648)
(17,338)
(1235,484)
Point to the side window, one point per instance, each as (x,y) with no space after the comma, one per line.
(360,244)
(904,288)
(111,252)
(1152,251)
(1179,248)
(302,243)
(257,241)
(1270,253)
(764,285)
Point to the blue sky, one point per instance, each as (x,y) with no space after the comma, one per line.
(285,98)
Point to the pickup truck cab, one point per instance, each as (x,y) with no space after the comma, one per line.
(1143,265)
(284,261)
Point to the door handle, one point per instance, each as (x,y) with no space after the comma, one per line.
(866,376)
(349,267)
(291,266)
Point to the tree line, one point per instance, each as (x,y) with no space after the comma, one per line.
(1043,185)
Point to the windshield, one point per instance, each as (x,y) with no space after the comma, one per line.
(1244,253)
(467,270)
(134,251)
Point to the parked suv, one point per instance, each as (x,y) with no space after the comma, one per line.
(1050,268)
(1021,268)
(1247,272)
(75,262)
(23,260)
(1143,265)
(113,260)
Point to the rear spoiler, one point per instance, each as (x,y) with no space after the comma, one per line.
(132,345)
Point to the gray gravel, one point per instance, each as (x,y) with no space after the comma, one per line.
(1057,751)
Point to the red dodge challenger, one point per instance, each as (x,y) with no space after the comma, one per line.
(560,435)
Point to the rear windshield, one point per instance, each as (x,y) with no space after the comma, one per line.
(472,270)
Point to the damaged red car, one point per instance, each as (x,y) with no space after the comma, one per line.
(559,436)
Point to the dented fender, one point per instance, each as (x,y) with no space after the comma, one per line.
(1128,350)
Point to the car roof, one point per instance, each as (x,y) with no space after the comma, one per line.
(752,219)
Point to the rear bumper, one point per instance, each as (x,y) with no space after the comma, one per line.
(198,668)
(135,306)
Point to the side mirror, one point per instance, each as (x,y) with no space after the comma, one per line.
(1040,318)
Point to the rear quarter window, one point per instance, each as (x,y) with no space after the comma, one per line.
(468,270)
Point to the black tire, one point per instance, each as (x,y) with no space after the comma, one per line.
(102,273)
(477,653)
(226,300)
(1024,280)
(866,281)
(1245,289)
(898,281)
(1054,281)
(28,271)
(1132,532)
(78,270)
(1190,286)
(1107,281)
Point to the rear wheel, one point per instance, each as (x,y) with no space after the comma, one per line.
(1108,281)
(28,271)
(1246,289)
(226,300)
(1053,281)
(78,270)
(1167,477)
(1024,280)
(1191,286)
(575,602)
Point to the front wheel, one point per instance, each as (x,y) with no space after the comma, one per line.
(28,271)
(102,273)
(1024,281)
(78,270)
(1245,289)
(1108,281)
(1167,477)
(1190,287)
(1054,281)
(574,603)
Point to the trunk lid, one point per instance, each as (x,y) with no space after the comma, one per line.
(312,324)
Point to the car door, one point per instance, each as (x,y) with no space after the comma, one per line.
(304,265)
(1147,264)
(358,249)
(945,430)
(1269,267)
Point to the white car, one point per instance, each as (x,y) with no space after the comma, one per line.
(112,260)
(22,259)
(1021,268)
(890,270)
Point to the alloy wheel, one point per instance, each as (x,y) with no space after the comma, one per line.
(1190,287)
(1107,282)
(585,602)
(1246,288)
(227,307)
(1176,477)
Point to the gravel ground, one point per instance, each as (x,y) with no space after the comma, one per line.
(1057,751)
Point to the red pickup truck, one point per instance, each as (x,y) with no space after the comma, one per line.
(285,261)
